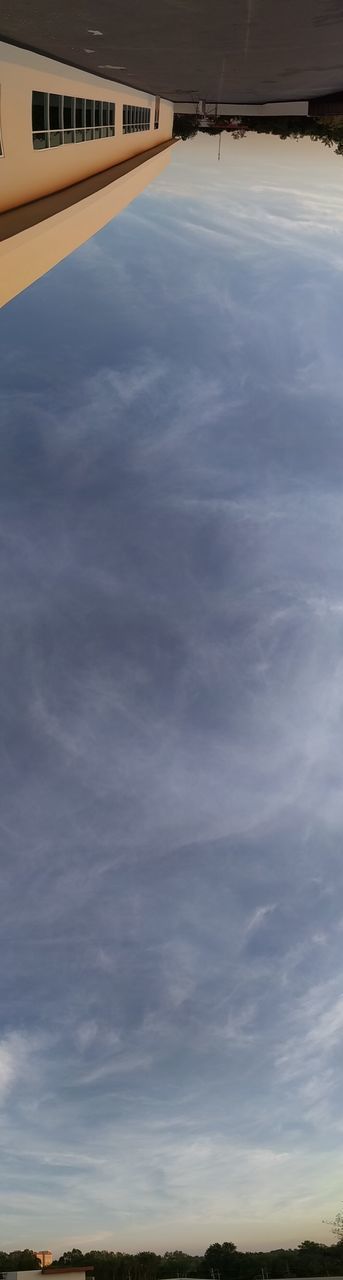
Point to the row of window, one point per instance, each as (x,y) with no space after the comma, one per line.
(135,119)
(56,118)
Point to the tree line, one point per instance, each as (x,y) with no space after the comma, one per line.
(220,1261)
(325,130)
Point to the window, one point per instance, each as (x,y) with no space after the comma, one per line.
(39,111)
(104,119)
(97,121)
(89,120)
(80,119)
(40,106)
(68,119)
(55,103)
(135,118)
(56,118)
(157,113)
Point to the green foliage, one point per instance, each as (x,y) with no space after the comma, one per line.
(19,1260)
(328,131)
(184,127)
(317,129)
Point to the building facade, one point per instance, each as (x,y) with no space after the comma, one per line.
(59,125)
(74,150)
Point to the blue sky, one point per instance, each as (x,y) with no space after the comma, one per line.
(172,717)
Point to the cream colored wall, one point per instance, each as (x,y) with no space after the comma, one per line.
(30,252)
(26,174)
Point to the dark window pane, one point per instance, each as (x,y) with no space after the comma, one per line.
(68,136)
(40,141)
(111,107)
(105,113)
(79,135)
(38,110)
(54,111)
(55,139)
(79,105)
(97,106)
(89,114)
(68,108)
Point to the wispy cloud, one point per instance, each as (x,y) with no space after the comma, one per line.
(258,916)
(171,709)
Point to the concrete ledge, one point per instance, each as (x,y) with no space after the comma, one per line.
(28,215)
(35,237)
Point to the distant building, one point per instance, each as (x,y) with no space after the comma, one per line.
(67,138)
(44,1257)
(246,109)
(329,105)
(70,1273)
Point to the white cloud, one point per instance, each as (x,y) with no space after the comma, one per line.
(16,1053)
(258,917)
(86,1033)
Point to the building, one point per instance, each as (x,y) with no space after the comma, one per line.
(70,1273)
(74,150)
(331,105)
(204,110)
(44,1257)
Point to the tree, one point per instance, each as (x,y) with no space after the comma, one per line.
(175,1263)
(337,1226)
(184,127)
(221,1258)
(72,1257)
(22,1260)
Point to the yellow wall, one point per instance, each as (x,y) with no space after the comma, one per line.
(26,174)
(37,236)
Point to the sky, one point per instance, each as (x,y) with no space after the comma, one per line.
(171,884)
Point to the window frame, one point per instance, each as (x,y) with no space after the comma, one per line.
(135,119)
(88,132)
